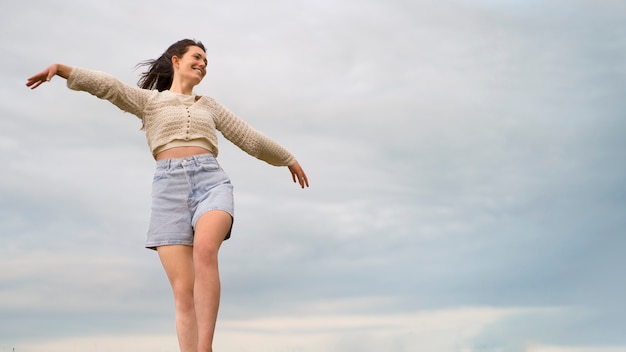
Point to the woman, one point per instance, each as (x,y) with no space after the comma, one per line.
(192,202)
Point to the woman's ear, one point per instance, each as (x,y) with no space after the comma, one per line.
(175,61)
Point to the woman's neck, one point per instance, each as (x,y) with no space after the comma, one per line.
(180,88)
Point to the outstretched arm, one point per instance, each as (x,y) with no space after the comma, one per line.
(102,85)
(298,175)
(47,74)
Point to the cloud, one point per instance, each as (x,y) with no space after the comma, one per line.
(444,330)
(540,348)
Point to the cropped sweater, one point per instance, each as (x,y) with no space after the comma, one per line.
(166,119)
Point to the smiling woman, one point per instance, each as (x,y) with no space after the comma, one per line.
(192,197)
(160,74)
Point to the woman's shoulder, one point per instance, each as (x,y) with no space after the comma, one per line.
(208,101)
(207,98)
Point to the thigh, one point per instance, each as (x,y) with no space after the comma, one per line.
(210,231)
(177,260)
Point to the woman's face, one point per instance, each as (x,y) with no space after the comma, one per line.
(192,66)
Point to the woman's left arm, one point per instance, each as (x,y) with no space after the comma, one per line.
(256,143)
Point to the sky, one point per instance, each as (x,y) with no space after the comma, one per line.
(465,159)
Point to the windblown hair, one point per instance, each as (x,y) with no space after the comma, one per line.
(160,73)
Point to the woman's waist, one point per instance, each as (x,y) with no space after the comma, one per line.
(179,148)
(181,153)
(185,159)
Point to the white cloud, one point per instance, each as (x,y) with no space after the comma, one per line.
(546,348)
(445,330)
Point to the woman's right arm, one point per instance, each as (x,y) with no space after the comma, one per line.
(102,85)
(47,74)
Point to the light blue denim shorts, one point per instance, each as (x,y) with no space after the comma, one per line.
(182,190)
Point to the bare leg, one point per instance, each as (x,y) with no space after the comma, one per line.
(177,261)
(210,231)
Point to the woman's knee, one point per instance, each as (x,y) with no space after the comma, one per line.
(183,298)
(205,258)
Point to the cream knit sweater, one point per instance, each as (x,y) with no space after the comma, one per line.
(166,119)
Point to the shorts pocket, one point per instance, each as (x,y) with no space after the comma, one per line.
(159,174)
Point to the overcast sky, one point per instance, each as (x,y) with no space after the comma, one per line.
(466,161)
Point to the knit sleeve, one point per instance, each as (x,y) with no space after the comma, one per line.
(104,86)
(250,140)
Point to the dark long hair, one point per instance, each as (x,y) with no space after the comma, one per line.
(160,72)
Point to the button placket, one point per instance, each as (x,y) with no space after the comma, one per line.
(188,123)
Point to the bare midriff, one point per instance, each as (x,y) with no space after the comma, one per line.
(180,152)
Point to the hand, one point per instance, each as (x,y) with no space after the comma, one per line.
(43,76)
(298,175)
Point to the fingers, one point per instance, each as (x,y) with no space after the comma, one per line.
(36,80)
(298,175)
(294,176)
(304,181)
(41,77)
